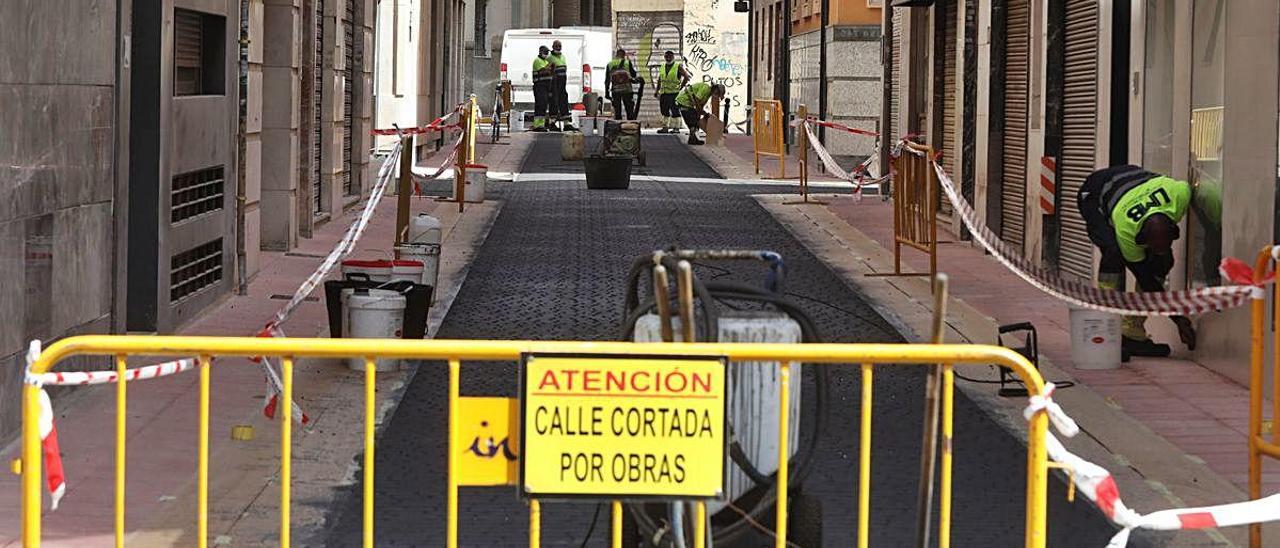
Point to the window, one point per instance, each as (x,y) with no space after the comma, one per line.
(196,193)
(1208,86)
(199,43)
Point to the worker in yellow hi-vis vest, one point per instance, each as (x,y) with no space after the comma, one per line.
(1132,216)
(543,74)
(559,89)
(672,77)
(692,101)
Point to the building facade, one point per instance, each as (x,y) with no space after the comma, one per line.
(825,55)
(1016,91)
(148,162)
(420,64)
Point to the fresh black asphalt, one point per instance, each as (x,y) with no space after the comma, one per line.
(553,268)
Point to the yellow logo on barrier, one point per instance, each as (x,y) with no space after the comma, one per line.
(623,427)
(488,438)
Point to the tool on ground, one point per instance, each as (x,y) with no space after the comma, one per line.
(1010,386)
(732,311)
(932,417)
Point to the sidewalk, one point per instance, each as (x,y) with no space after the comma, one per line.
(162,414)
(736,160)
(1179,426)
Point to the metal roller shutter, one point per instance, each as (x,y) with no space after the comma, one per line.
(1013,190)
(950,97)
(1079,133)
(316,103)
(348,85)
(896,79)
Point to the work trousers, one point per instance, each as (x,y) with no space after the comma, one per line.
(667,102)
(541,101)
(623,103)
(560,98)
(692,118)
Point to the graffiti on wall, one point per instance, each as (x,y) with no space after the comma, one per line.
(646,35)
(715,49)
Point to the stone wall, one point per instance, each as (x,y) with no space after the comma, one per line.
(58,180)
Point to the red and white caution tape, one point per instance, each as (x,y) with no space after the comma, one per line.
(81,378)
(439,171)
(436,125)
(55,479)
(1166,303)
(858,176)
(1098,485)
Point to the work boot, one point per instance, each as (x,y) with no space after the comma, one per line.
(569,127)
(1143,348)
(693,140)
(540,129)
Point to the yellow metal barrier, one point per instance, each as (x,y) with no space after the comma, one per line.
(767,127)
(869,356)
(1259,445)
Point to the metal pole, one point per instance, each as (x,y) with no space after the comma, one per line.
(404,189)
(932,410)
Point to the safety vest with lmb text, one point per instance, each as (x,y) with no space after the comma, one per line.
(695,96)
(670,80)
(1156,195)
(540,72)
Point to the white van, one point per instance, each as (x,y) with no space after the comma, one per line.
(598,52)
(520,47)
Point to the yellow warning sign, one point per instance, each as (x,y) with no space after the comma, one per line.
(623,427)
(486,439)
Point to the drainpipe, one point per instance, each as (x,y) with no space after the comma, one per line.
(242,282)
(784,71)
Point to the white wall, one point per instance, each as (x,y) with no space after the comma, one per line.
(396,67)
(715,50)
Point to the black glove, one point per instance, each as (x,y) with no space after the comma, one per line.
(1186,331)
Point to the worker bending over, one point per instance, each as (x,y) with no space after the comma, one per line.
(672,77)
(1132,215)
(621,75)
(543,74)
(692,101)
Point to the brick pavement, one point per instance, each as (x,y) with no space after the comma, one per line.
(162,414)
(1201,412)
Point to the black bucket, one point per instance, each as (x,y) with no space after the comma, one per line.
(608,172)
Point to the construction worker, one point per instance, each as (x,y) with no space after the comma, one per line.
(672,77)
(559,89)
(618,85)
(543,74)
(692,101)
(1132,215)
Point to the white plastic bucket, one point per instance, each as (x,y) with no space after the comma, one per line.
(517,121)
(378,314)
(1095,339)
(407,270)
(424,229)
(477,175)
(428,255)
(377,270)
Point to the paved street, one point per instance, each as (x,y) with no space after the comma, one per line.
(553,267)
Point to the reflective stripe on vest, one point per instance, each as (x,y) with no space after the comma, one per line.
(561,69)
(540,64)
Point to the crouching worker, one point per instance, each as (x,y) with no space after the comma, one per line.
(1132,216)
(692,101)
